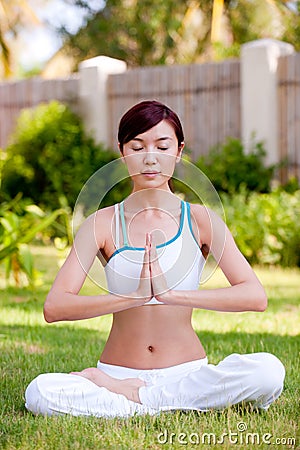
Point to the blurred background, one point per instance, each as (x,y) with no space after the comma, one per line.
(69,69)
(35,33)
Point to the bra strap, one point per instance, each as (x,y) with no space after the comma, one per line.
(189,222)
(188,216)
(184,212)
(125,240)
(117,226)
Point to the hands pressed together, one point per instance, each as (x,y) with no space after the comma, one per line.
(152,280)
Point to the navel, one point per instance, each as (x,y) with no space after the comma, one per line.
(150,348)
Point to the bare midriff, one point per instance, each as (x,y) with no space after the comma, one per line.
(152,337)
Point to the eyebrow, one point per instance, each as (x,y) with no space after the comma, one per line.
(163,138)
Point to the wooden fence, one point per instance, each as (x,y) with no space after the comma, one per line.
(289,114)
(18,95)
(206,98)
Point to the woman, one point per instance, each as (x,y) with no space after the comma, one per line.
(154,246)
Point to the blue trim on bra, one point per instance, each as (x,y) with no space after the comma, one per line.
(128,247)
(190,224)
(125,239)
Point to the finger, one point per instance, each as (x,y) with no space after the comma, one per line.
(147,254)
(149,240)
(153,257)
(146,261)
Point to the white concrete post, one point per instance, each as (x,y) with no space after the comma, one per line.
(259,104)
(93,93)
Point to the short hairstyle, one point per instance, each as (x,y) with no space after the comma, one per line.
(145,115)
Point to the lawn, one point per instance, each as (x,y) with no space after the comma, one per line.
(29,346)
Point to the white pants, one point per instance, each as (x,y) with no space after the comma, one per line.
(256,378)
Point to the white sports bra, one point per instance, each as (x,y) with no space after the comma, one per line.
(180,258)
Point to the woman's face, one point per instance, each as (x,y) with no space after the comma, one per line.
(151,156)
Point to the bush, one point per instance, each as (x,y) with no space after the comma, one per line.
(20,224)
(266,227)
(229,168)
(50,157)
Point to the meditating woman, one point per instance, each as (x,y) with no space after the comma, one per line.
(154,246)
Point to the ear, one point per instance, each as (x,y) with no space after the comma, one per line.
(180,150)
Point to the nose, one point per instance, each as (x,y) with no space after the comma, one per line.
(150,158)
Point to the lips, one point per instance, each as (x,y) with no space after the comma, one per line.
(150,175)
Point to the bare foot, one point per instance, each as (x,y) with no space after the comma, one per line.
(128,387)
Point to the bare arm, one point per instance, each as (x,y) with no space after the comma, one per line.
(245,293)
(64,302)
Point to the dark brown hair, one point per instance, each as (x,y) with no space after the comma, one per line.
(145,115)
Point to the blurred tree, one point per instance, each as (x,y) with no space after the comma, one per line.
(180,31)
(13,15)
(268,18)
(141,33)
(247,20)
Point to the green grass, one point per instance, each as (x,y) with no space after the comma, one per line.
(29,346)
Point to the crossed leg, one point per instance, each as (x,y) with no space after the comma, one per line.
(128,387)
(256,378)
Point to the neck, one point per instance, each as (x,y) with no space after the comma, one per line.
(152,198)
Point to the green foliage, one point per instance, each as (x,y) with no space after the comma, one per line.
(258,19)
(291,186)
(266,227)
(141,33)
(50,157)
(20,223)
(177,31)
(229,168)
(222,51)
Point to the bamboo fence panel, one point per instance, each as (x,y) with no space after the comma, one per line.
(15,96)
(206,98)
(289,115)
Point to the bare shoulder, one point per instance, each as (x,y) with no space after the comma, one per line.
(199,212)
(103,215)
(201,215)
(98,224)
(103,219)
(99,218)
(207,222)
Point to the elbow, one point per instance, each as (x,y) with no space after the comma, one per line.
(49,311)
(261,301)
(48,314)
